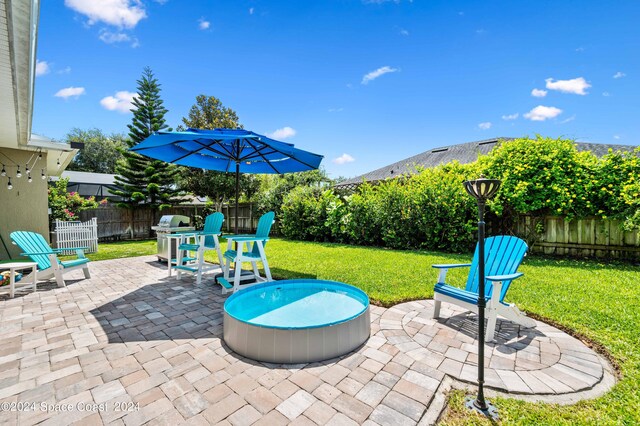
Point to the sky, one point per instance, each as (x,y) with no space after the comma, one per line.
(363,82)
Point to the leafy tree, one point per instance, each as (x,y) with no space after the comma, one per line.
(66,205)
(100,154)
(146,182)
(274,188)
(209,113)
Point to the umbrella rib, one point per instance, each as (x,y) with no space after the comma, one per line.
(226,152)
(257,151)
(293,158)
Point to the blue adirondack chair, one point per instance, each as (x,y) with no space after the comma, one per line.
(503,255)
(203,241)
(253,254)
(38,250)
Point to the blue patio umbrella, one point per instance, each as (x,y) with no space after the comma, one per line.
(228,150)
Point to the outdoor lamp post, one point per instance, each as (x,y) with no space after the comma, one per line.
(482,190)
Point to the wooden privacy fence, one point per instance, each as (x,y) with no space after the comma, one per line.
(77,234)
(590,237)
(115,223)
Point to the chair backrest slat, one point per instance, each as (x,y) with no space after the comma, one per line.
(264,228)
(213,223)
(32,242)
(503,255)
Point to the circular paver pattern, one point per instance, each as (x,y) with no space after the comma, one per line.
(540,360)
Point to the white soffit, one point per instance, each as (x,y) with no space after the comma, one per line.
(18,25)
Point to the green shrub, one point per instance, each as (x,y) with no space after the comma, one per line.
(304,213)
(66,205)
(542,176)
(617,187)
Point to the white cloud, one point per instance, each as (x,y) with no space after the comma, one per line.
(377,73)
(252,10)
(616,136)
(203,24)
(510,116)
(485,126)
(606,94)
(344,159)
(336,109)
(284,133)
(120,13)
(619,74)
(539,93)
(577,86)
(404,32)
(121,102)
(573,117)
(109,37)
(542,113)
(580,49)
(42,68)
(70,92)
(65,70)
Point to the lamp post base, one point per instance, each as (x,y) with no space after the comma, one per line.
(491,411)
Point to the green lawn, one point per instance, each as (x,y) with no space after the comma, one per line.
(597,300)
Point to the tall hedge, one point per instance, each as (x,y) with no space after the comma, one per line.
(431,210)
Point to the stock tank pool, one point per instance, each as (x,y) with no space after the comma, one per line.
(296,321)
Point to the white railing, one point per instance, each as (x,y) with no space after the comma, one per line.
(77,234)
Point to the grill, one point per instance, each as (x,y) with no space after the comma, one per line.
(170,224)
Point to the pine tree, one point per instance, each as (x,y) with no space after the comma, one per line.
(146,182)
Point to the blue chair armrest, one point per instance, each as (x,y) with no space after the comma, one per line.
(233,237)
(249,239)
(36,253)
(505,277)
(453,265)
(60,250)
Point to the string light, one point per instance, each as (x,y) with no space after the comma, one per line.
(29,178)
(9,186)
(18,173)
(42,175)
(27,169)
(58,163)
(3,173)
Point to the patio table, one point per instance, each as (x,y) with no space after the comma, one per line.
(19,266)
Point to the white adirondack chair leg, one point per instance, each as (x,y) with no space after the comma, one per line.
(491,311)
(436,308)
(265,263)
(219,251)
(256,271)
(492,316)
(512,313)
(179,257)
(237,265)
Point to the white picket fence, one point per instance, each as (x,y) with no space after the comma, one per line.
(77,234)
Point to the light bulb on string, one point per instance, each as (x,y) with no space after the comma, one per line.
(58,163)
(9,186)
(3,173)
(29,178)
(18,173)
(42,175)
(27,169)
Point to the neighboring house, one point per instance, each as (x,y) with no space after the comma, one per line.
(87,184)
(463,153)
(25,205)
(101,185)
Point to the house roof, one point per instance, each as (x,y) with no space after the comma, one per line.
(463,153)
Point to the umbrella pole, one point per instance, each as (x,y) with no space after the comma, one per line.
(237,193)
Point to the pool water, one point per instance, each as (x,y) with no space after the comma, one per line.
(297,304)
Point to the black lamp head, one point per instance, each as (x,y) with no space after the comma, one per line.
(482,189)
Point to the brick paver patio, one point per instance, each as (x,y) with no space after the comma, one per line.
(132,346)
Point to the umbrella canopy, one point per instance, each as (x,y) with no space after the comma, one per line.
(228,150)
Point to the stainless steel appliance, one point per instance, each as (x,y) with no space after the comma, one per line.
(168,225)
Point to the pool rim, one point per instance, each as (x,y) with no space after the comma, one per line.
(257,287)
